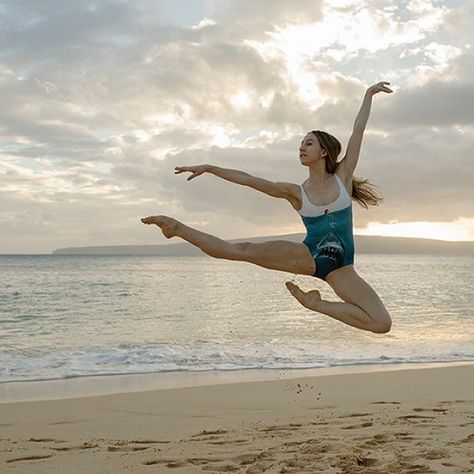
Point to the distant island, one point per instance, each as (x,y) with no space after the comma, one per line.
(363,244)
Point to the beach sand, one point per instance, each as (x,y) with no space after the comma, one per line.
(413,420)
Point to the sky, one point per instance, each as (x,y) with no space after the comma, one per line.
(102,99)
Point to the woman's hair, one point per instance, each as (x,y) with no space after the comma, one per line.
(362,191)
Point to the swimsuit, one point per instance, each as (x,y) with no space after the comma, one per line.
(329,236)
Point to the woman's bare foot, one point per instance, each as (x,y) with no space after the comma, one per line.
(310,299)
(168,225)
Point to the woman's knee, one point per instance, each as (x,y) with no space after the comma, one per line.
(382,322)
(381,317)
(383,327)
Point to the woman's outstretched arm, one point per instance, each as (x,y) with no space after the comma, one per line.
(351,158)
(274,189)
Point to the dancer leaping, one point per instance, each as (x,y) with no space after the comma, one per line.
(328,249)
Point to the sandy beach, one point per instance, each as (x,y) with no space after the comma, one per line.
(391,421)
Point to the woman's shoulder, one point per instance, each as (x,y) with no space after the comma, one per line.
(292,193)
(346,178)
(291,189)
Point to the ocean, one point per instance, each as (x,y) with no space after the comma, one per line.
(78,316)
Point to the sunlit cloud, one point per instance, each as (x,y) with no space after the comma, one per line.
(241,100)
(460,230)
(343,33)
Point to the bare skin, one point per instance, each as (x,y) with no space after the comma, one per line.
(361,306)
(168,225)
(310,299)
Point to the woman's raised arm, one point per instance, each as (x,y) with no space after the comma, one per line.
(348,164)
(364,112)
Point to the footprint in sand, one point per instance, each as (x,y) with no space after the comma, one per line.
(227,467)
(468,439)
(46,440)
(199,461)
(74,448)
(402,434)
(205,433)
(29,458)
(230,441)
(173,463)
(409,417)
(354,427)
(148,441)
(363,461)
(167,462)
(442,410)
(126,449)
(289,427)
(355,414)
(384,402)
(435,454)
(413,468)
(375,440)
(452,402)
(128,445)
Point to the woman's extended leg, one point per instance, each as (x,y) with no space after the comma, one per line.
(276,255)
(362,308)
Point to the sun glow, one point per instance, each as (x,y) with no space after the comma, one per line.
(219,136)
(346,29)
(460,230)
(241,100)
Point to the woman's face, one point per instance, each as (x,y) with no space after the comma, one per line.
(310,150)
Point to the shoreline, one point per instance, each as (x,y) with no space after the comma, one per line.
(104,385)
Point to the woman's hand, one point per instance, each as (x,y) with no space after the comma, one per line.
(195,170)
(379,87)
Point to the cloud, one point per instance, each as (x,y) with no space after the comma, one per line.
(433,104)
(101,100)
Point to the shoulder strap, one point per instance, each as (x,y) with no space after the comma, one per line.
(342,187)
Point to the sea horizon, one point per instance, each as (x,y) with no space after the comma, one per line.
(378,244)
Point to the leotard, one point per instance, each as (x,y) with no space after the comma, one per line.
(329,231)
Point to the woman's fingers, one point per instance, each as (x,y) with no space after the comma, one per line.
(182,169)
(195,170)
(380,87)
(194,175)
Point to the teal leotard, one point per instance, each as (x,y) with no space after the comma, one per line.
(329,231)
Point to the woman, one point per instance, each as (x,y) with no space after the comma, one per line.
(328,250)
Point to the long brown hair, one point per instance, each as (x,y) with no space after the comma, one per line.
(362,191)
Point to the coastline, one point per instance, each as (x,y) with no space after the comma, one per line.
(101,385)
(397,420)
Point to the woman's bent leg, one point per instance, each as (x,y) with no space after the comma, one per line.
(362,307)
(276,255)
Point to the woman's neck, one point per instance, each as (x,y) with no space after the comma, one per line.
(318,174)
